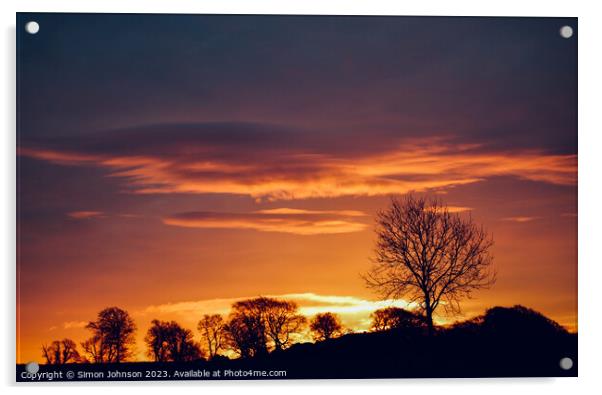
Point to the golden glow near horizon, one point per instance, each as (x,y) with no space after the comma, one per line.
(354,312)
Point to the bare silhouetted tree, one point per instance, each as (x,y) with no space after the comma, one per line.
(261,324)
(326,326)
(157,341)
(396,318)
(282,321)
(428,255)
(245,334)
(94,349)
(183,347)
(112,336)
(169,342)
(212,328)
(60,352)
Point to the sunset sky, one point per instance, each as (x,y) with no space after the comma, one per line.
(170,165)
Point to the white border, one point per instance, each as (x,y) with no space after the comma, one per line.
(590,173)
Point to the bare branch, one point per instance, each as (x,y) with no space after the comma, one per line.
(428,255)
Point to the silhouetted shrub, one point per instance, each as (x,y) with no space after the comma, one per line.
(519,321)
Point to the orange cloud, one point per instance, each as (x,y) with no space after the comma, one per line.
(457,209)
(283,220)
(568,215)
(519,219)
(285,174)
(349,213)
(74,324)
(85,214)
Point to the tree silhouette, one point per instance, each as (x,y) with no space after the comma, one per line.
(95,349)
(212,328)
(245,334)
(112,336)
(396,318)
(428,255)
(157,341)
(326,326)
(168,341)
(281,320)
(60,352)
(258,325)
(183,347)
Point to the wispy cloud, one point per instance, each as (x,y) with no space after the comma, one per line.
(570,215)
(283,220)
(458,209)
(248,160)
(348,213)
(520,219)
(85,214)
(74,324)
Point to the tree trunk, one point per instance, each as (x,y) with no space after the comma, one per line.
(429,321)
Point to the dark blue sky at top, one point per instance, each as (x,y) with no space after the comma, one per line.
(505,82)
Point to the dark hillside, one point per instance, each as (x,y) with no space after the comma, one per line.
(505,342)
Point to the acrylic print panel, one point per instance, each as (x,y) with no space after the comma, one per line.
(278,197)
